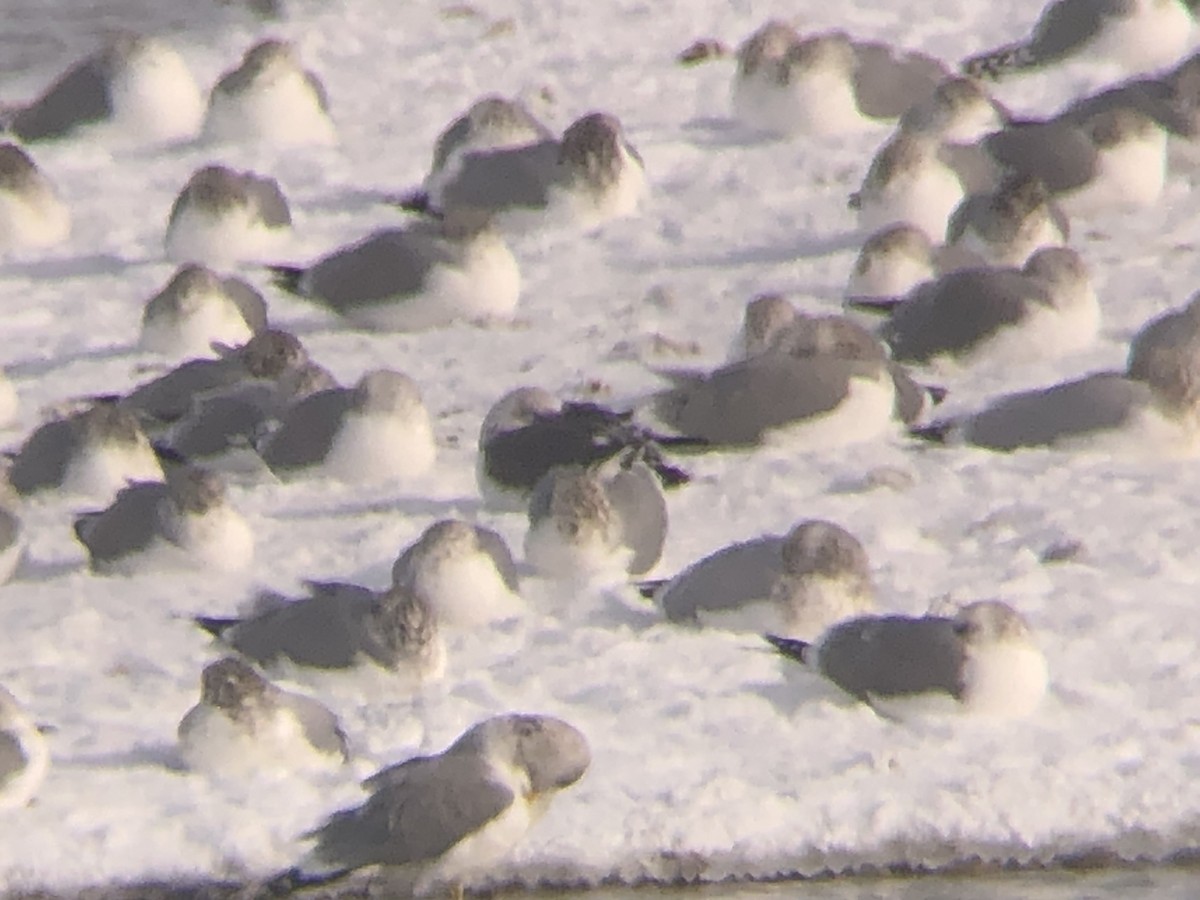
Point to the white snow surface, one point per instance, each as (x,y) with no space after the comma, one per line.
(712,757)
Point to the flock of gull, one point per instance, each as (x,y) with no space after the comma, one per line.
(966,212)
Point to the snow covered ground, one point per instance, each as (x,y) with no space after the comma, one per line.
(710,759)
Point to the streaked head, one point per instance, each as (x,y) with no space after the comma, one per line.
(271,353)
(959,109)
(831,335)
(765,317)
(1064,271)
(578,504)
(769,44)
(216,188)
(233,686)
(403,626)
(107,423)
(269,53)
(831,52)
(591,149)
(191,287)
(818,547)
(901,239)
(194,490)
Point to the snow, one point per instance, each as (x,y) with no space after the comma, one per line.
(712,758)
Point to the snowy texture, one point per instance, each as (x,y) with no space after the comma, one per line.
(711,757)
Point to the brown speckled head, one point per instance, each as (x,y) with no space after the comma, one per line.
(233,687)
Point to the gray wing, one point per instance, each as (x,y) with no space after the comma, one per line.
(169,397)
(887,81)
(323,631)
(1151,96)
(1096,403)
(738,404)
(222,422)
(956,313)
(12,758)
(77,98)
(497,548)
(128,526)
(1057,153)
(388,266)
(498,180)
(250,302)
(43,459)
(732,577)
(1067,26)
(637,496)
(542,495)
(307,431)
(890,656)
(268,197)
(420,810)
(321,726)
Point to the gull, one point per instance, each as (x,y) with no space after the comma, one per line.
(437,822)
(959,111)
(826,83)
(1166,342)
(1005,226)
(1150,410)
(795,585)
(377,430)
(428,274)
(339,626)
(223,216)
(1137,35)
(198,308)
(24,756)
(529,431)
(185,521)
(1090,160)
(138,84)
(243,724)
(1043,310)
(892,261)
(982,661)
(598,521)
(908,182)
(93,452)
(771,324)
(492,123)
(466,573)
(270,98)
(32,213)
(220,427)
(591,176)
(810,387)
(266,358)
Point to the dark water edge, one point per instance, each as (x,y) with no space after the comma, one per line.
(1082,879)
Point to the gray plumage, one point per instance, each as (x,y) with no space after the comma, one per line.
(192,281)
(145,513)
(231,419)
(453,535)
(268,356)
(1064,28)
(421,809)
(338,626)
(491,123)
(889,81)
(1076,409)
(739,404)
(45,458)
(80,96)
(236,691)
(216,189)
(736,574)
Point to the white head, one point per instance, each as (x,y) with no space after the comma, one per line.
(516,409)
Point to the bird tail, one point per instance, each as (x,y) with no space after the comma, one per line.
(878,305)
(287,278)
(650,587)
(800,651)
(934,433)
(415,201)
(215,626)
(937,393)
(996,64)
(296,879)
